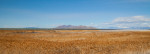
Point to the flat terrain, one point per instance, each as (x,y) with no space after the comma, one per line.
(74,42)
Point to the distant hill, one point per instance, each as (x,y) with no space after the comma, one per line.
(74,27)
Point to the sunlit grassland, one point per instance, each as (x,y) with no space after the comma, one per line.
(74,42)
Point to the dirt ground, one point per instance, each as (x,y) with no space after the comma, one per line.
(74,42)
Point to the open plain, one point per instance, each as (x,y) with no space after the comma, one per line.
(74,42)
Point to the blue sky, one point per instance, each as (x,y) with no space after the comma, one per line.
(52,13)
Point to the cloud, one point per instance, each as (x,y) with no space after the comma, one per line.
(128,22)
(131,19)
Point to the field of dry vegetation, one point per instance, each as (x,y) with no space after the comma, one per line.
(74,42)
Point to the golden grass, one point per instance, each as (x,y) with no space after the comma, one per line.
(74,42)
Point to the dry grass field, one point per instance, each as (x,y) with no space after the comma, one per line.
(74,42)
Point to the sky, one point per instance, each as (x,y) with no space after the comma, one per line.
(53,13)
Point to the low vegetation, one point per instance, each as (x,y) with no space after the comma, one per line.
(74,42)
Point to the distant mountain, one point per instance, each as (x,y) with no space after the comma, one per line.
(74,27)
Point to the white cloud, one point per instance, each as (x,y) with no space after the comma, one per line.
(128,22)
(131,19)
